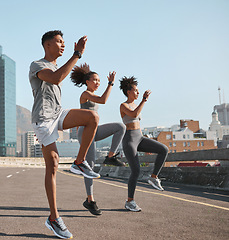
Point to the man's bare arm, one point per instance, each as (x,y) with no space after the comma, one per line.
(56,77)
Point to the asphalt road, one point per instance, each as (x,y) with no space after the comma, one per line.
(177,213)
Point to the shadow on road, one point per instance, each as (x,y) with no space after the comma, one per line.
(29,235)
(114,210)
(33,211)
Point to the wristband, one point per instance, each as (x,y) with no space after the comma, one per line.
(78,54)
(145,99)
(111,83)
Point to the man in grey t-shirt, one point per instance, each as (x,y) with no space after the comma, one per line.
(48,117)
(47,96)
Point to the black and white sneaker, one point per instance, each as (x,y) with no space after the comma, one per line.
(114,160)
(84,169)
(132,206)
(92,207)
(156,183)
(58,227)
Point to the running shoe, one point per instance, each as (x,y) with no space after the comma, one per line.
(58,227)
(156,183)
(114,160)
(132,206)
(84,169)
(92,207)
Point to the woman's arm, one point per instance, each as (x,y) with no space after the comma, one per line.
(125,108)
(87,95)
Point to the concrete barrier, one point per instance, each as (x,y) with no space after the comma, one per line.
(212,154)
(31,162)
(211,177)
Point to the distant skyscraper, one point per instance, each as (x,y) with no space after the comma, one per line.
(73,133)
(8,128)
(28,141)
(223,113)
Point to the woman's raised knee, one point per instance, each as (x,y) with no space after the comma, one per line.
(94,118)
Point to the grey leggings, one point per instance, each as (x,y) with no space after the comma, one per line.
(103,131)
(133,142)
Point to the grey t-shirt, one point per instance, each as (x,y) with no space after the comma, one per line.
(47,96)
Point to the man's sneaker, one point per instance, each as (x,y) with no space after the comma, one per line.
(156,183)
(58,227)
(92,207)
(84,169)
(132,206)
(114,160)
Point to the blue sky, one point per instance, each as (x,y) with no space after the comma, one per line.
(177,48)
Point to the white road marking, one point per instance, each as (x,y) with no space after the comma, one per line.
(9,176)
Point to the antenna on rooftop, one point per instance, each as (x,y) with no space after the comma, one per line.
(219,95)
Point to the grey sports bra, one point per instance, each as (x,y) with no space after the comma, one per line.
(90,105)
(127,119)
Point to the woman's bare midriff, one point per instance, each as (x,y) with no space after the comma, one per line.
(133,126)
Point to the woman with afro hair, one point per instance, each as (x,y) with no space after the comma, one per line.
(134,142)
(89,100)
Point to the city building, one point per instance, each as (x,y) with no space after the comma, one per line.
(37,151)
(188,138)
(73,133)
(28,141)
(30,146)
(219,128)
(152,132)
(220,120)
(223,113)
(8,126)
(224,143)
(68,148)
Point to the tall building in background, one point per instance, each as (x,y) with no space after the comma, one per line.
(28,141)
(73,133)
(8,128)
(222,110)
(223,113)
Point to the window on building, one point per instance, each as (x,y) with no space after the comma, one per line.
(184,136)
(188,136)
(184,144)
(175,151)
(171,151)
(168,136)
(188,144)
(174,144)
(198,144)
(202,143)
(170,144)
(174,136)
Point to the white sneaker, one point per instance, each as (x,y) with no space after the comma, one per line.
(84,169)
(59,228)
(132,206)
(156,183)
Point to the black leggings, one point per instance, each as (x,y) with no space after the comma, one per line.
(134,142)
